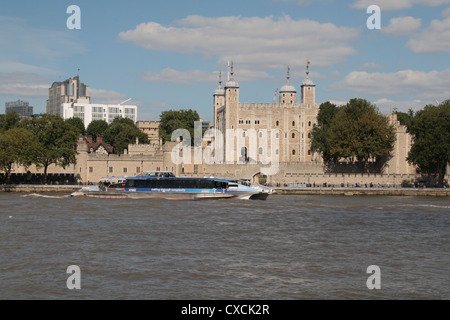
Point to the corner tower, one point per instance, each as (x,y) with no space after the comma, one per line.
(219,99)
(288,94)
(308,90)
(231,100)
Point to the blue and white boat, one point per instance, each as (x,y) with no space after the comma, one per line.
(163,184)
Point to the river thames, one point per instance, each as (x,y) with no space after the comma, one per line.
(289,247)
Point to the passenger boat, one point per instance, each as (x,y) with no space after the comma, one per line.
(164,184)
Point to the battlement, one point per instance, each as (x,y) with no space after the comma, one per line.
(253,105)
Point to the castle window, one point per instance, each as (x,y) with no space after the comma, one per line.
(277,135)
(293,136)
(278,123)
(125,170)
(293,123)
(284,101)
(260,151)
(309,135)
(293,152)
(309,152)
(241,121)
(91,169)
(277,152)
(260,135)
(256,121)
(110,169)
(309,124)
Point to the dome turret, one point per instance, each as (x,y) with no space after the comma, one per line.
(288,88)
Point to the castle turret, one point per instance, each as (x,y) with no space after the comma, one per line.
(308,90)
(231,99)
(288,94)
(219,99)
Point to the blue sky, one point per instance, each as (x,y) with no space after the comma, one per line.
(168,54)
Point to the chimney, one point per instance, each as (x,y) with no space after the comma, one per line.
(89,139)
(99,139)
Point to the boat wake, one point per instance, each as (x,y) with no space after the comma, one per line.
(37,195)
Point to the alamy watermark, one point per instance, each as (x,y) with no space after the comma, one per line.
(374,281)
(236,146)
(374,21)
(74,280)
(74,21)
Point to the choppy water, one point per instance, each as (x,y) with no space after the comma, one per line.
(288,247)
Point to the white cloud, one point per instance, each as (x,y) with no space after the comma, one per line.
(169,75)
(402,26)
(422,85)
(435,38)
(387,106)
(27,90)
(106,96)
(252,42)
(23,84)
(389,5)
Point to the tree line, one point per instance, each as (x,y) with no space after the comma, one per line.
(50,139)
(358,134)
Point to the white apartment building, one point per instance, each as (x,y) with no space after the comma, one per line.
(88,112)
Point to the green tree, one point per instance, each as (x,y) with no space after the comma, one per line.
(17,145)
(322,131)
(57,141)
(430,129)
(359,133)
(177,119)
(405,118)
(122,132)
(9,120)
(97,128)
(77,124)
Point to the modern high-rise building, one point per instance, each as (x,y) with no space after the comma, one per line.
(68,91)
(22,108)
(70,99)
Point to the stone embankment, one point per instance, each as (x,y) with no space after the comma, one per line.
(433,192)
(30,188)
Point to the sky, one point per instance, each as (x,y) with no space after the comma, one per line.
(167,55)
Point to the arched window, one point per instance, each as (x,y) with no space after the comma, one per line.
(278,123)
(293,123)
(309,135)
(309,124)
(260,151)
(293,152)
(293,136)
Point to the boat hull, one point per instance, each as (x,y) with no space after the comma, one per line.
(166,195)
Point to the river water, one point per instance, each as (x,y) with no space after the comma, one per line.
(284,248)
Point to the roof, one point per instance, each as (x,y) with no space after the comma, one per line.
(288,88)
(308,82)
